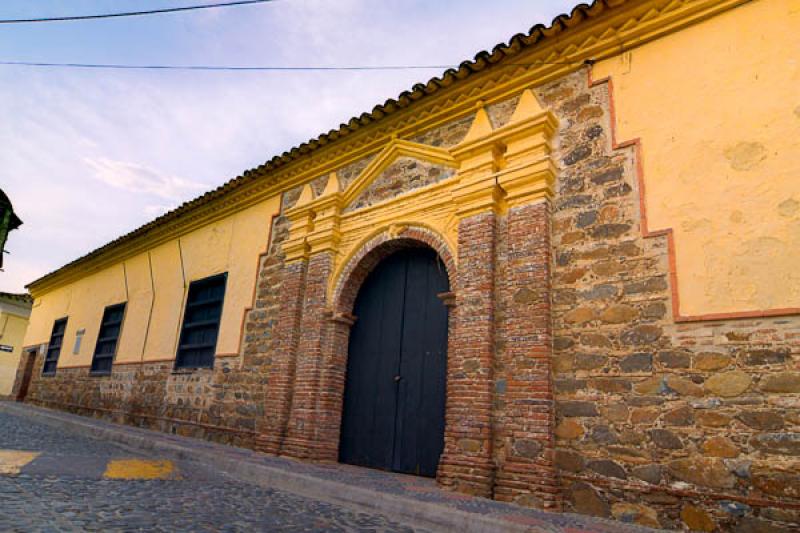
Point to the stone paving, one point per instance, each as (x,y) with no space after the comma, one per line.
(66,488)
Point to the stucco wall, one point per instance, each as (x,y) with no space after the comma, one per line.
(12,332)
(717,110)
(154,285)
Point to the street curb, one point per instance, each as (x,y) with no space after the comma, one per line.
(396,507)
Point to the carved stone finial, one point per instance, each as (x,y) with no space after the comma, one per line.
(481,126)
(333,185)
(306,196)
(528,106)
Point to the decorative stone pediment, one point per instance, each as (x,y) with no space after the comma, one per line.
(403,175)
(400,167)
(411,184)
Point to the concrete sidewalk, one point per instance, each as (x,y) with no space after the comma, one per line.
(407,499)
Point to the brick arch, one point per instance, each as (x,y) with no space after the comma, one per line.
(330,394)
(378,248)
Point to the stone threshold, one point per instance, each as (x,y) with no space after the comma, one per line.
(408,499)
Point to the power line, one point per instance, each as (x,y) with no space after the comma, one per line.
(114,66)
(134,13)
(215,67)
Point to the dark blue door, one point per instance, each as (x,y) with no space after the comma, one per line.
(394,401)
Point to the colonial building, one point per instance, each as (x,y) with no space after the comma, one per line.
(14,312)
(563,275)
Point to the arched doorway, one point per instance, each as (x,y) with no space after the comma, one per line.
(394,401)
(27,375)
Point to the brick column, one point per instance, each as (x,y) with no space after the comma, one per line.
(331,388)
(280,381)
(302,441)
(526,472)
(466,463)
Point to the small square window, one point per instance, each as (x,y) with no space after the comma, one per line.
(76,348)
(198,341)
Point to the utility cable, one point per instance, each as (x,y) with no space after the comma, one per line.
(133,13)
(114,66)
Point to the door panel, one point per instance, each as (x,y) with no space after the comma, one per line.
(393,415)
(27,375)
(423,367)
(371,397)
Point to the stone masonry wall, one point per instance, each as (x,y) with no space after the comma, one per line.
(447,135)
(403,175)
(672,425)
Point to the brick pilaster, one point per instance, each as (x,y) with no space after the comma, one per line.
(524,423)
(331,390)
(281,373)
(466,463)
(301,441)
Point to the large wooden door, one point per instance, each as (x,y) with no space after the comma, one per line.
(394,401)
(27,375)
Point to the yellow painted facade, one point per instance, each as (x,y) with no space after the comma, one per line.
(154,285)
(13,323)
(716,108)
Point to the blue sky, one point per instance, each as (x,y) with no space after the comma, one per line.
(86,156)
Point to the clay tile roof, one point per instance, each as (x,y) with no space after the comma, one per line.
(21,298)
(418,91)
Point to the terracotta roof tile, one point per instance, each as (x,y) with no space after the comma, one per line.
(22,298)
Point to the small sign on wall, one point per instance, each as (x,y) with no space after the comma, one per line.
(76,348)
(6,348)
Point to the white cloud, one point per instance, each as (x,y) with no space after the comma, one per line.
(140,179)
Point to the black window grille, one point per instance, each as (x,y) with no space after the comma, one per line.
(54,347)
(106,347)
(198,340)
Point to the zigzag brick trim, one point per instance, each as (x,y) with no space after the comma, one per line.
(668,233)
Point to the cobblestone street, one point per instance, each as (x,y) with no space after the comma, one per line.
(66,487)
(54,476)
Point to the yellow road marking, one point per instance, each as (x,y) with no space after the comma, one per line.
(138,469)
(12,461)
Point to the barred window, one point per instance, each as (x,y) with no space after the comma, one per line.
(198,341)
(54,347)
(106,347)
